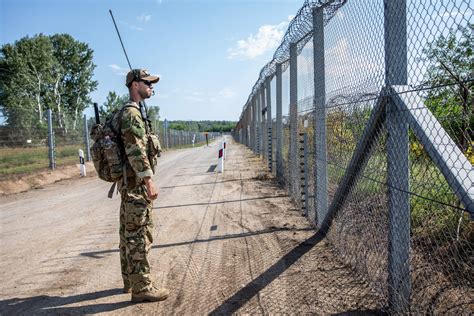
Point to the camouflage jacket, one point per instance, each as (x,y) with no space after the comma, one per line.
(135,141)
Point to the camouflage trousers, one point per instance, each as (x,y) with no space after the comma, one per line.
(136,227)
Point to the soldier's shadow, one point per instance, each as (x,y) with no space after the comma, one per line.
(50,305)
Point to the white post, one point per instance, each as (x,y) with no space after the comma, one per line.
(220,163)
(82,166)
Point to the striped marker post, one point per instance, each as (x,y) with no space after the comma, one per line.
(82,165)
(220,163)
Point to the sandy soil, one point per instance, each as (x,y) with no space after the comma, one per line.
(39,179)
(224,243)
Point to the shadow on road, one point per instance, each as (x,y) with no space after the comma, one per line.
(203,183)
(239,299)
(222,202)
(54,305)
(99,254)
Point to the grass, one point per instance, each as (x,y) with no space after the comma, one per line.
(20,161)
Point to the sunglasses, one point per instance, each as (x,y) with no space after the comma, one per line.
(148,83)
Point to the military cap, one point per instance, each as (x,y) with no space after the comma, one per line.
(139,75)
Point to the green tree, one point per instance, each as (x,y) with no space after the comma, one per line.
(25,77)
(45,72)
(177,126)
(72,77)
(154,116)
(113,101)
(450,71)
(153,113)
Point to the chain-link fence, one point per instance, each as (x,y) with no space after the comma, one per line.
(54,142)
(171,138)
(372,133)
(50,143)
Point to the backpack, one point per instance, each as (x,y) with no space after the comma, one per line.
(108,149)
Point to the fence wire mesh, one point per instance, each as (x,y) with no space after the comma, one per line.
(24,149)
(376,144)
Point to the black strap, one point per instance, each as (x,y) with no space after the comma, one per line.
(111,191)
(144,114)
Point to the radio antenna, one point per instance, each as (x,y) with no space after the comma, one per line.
(141,103)
(120,38)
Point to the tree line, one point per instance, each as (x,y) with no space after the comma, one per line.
(203,126)
(45,72)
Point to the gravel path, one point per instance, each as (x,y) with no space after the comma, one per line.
(224,243)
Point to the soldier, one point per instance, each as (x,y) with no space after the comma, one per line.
(137,191)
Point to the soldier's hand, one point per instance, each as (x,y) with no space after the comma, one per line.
(150,188)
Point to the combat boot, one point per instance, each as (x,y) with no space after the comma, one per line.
(127,288)
(152,295)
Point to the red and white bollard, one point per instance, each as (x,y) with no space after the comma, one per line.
(220,163)
(82,165)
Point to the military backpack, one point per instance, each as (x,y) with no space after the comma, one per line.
(108,149)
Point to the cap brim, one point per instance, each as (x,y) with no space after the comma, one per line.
(152,79)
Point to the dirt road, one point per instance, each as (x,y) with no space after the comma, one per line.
(224,243)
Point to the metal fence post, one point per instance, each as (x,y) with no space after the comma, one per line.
(86,140)
(303,153)
(320,149)
(257,122)
(166,132)
(254,124)
(269,126)
(397,160)
(263,121)
(293,156)
(51,155)
(279,123)
(249,125)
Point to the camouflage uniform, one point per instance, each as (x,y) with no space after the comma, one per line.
(136,223)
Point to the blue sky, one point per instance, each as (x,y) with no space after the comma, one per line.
(207,52)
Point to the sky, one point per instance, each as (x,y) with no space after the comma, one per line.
(208,53)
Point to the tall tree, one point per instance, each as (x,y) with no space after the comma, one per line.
(44,72)
(112,102)
(25,78)
(72,76)
(450,73)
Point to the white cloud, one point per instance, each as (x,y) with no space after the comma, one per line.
(202,96)
(136,28)
(193,98)
(144,17)
(345,65)
(159,1)
(267,38)
(226,93)
(119,70)
(131,26)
